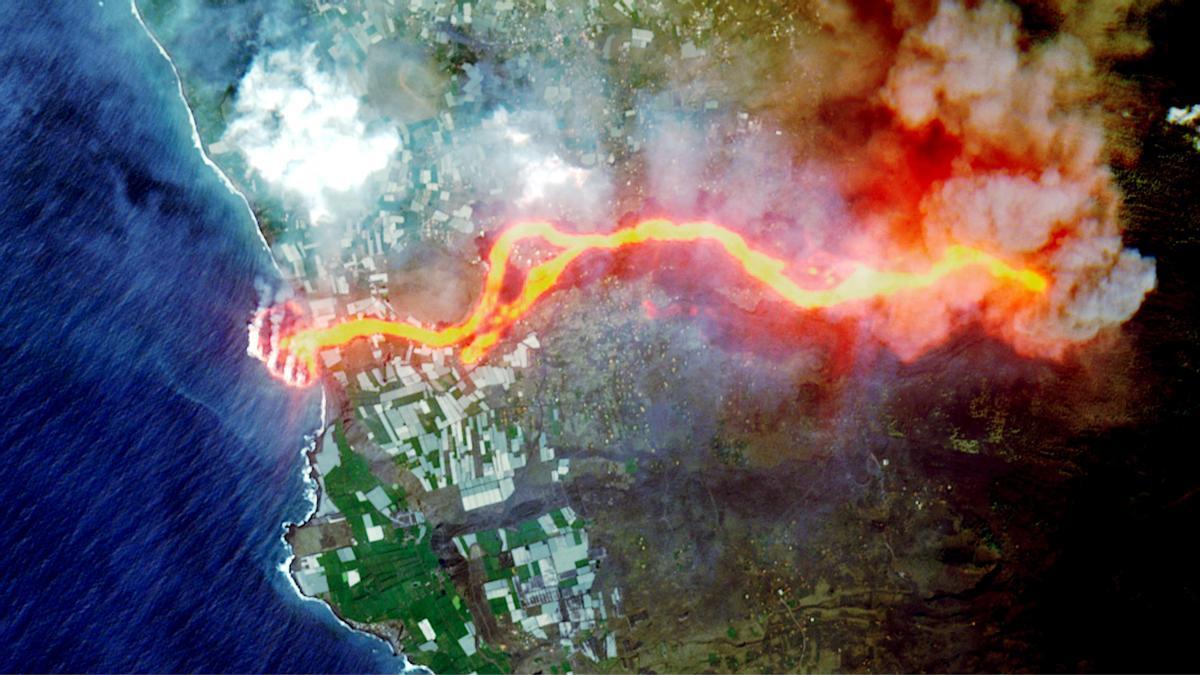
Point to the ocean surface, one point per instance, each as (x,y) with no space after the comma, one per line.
(148,462)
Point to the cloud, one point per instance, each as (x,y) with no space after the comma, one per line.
(305,132)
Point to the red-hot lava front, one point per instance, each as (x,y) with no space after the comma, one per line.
(290,348)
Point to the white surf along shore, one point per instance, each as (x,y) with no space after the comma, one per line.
(311,490)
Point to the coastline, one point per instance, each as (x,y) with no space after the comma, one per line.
(196,140)
(309,450)
(308,473)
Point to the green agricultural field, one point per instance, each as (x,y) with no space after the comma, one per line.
(398,577)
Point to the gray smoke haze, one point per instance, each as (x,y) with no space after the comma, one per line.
(884,134)
(1008,138)
(520,159)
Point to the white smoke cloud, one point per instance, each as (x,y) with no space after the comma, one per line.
(548,173)
(304,131)
(1188,118)
(523,154)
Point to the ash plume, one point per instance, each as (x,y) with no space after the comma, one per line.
(1030,179)
(896,134)
(874,132)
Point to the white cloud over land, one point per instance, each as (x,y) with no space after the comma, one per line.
(304,130)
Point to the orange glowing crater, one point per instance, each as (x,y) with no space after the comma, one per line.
(291,354)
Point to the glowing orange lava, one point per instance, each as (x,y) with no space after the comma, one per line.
(293,357)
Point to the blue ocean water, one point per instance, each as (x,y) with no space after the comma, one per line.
(148,463)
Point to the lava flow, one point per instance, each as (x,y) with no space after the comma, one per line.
(291,353)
